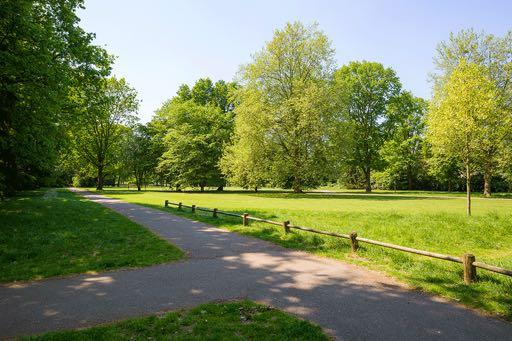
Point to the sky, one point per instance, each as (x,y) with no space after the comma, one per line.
(161,44)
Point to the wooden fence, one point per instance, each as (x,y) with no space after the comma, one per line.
(467,260)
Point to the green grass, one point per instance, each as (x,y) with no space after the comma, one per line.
(55,232)
(243,320)
(433,223)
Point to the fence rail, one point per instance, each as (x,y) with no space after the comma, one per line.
(468,260)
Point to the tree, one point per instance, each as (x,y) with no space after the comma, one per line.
(43,53)
(193,143)
(364,91)
(463,116)
(402,152)
(494,54)
(107,109)
(283,104)
(139,155)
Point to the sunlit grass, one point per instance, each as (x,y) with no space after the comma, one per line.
(433,223)
(43,236)
(243,320)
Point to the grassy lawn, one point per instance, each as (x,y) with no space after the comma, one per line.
(55,232)
(425,221)
(215,321)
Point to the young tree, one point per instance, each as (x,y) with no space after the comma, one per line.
(363,92)
(106,110)
(463,116)
(494,54)
(402,153)
(284,104)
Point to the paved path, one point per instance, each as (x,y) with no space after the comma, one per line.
(351,303)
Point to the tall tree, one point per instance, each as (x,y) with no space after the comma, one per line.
(43,53)
(284,104)
(494,54)
(463,115)
(107,109)
(364,91)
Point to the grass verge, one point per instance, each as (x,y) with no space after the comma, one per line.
(435,224)
(243,320)
(55,232)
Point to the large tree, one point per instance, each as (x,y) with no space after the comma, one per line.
(494,54)
(191,130)
(284,104)
(43,53)
(363,92)
(193,143)
(463,117)
(107,110)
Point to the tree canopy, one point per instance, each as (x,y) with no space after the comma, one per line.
(283,105)
(462,117)
(44,53)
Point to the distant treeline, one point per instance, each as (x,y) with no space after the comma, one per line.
(292,119)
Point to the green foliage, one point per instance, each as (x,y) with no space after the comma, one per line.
(242,320)
(107,111)
(140,155)
(195,136)
(494,56)
(282,112)
(54,232)
(364,92)
(43,54)
(464,118)
(403,151)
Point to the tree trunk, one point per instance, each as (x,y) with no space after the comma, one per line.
(202,188)
(255,189)
(99,186)
(297,187)
(409,178)
(220,188)
(468,189)
(367,181)
(487,182)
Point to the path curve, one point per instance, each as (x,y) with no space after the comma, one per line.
(349,302)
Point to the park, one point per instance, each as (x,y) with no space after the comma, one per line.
(305,196)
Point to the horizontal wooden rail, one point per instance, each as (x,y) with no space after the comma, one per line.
(493,268)
(411,250)
(468,260)
(265,221)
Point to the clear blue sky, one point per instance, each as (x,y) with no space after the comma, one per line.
(162,44)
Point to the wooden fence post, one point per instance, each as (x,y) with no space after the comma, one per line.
(215,213)
(193,208)
(286,226)
(167,203)
(469,268)
(353,241)
(179,206)
(245,219)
